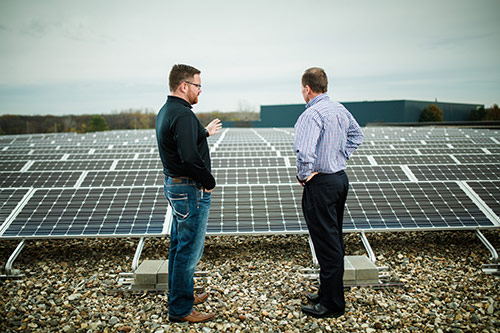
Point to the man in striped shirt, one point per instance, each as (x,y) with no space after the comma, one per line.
(326,135)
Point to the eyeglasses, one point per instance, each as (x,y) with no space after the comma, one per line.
(194,84)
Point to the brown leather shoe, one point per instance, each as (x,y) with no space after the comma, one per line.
(198,299)
(193,317)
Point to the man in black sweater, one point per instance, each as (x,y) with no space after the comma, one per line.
(185,155)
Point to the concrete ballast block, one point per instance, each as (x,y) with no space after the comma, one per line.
(146,273)
(349,271)
(366,271)
(163,273)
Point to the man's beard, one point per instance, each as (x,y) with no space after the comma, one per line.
(193,99)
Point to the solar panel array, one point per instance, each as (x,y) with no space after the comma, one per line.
(109,184)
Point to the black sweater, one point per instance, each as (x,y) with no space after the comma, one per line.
(182,142)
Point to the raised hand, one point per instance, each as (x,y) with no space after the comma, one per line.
(214,127)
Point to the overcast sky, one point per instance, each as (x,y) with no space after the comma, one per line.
(74,57)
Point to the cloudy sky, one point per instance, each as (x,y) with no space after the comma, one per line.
(74,57)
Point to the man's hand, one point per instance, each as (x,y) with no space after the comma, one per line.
(311,176)
(214,127)
(303,183)
(208,191)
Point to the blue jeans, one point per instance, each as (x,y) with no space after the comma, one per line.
(190,208)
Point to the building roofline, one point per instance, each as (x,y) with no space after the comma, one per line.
(385,101)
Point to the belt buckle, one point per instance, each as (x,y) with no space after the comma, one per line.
(176,180)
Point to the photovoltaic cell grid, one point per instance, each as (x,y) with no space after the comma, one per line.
(456,172)
(396,161)
(9,199)
(268,175)
(489,192)
(369,207)
(71,165)
(84,212)
(382,206)
(123,178)
(256,209)
(31,157)
(39,179)
(11,166)
(493,158)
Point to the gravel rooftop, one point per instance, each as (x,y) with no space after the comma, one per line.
(255,285)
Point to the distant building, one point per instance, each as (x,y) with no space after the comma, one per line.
(398,111)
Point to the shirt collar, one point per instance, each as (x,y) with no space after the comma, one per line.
(179,100)
(316,100)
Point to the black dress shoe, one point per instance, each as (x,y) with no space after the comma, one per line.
(320,311)
(313,298)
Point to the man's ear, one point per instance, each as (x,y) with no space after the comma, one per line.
(183,87)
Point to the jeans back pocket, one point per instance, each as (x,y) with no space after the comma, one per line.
(179,203)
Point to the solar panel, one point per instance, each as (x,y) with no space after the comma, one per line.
(11,166)
(91,212)
(426,205)
(248,162)
(109,156)
(154,164)
(39,179)
(450,151)
(123,150)
(9,199)
(267,175)
(401,159)
(489,192)
(376,173)
(31,157)
(476,159)
(68,150)
(238,209)
(379,151)
(244,147)
(232,154)
(483,140)
(369,207)
(401,178)
(123,178)
(71,165)
(456,172)
(148,156)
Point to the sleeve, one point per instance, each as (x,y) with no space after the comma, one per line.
(186,134)
(355,136)
(307,132)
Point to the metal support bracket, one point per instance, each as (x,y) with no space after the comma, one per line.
(383,274)
(137,255)
(368,248)
(9,272)
(494,267)
(313,253)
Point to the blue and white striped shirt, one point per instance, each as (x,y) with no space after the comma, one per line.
(326,135)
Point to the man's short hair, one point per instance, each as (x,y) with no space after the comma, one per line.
(180,73)
(316,79)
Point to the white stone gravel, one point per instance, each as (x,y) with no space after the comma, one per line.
(255,285)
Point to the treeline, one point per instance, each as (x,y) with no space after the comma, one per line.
(489,114)
(432,113)
(126,119)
